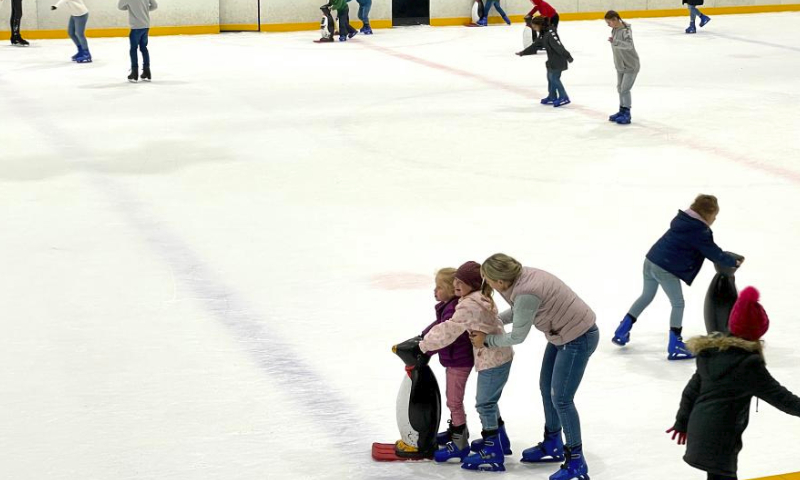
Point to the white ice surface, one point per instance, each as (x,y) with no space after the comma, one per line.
(202,277)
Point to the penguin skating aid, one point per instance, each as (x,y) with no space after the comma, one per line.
(418,409)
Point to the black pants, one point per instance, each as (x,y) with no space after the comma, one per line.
(344,22)
(16,17)
(554,21)
(713,476)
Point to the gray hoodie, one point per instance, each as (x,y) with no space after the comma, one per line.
(625,57)
(138,12)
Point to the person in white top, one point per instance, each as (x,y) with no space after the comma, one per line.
(79,16)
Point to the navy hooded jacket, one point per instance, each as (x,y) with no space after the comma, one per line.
(683,248)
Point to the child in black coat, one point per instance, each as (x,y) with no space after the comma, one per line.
(557,59)
(715,408)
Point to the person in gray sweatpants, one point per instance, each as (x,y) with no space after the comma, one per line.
(139,19)
(626,61)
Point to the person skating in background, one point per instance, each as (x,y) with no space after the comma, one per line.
(76,29)
(139,20)
(457,359)
(626,61)
(558,59)
(343,13)
(16,23)
(544,9)
(476,312)
(364,6)
(677,255)
(541,300)
(488,8)
(694,12)
(715,406)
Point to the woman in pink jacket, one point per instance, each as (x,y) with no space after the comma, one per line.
(539,299)
(476,312)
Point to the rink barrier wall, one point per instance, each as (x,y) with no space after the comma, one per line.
(383,23)
(678,12)
(116,32)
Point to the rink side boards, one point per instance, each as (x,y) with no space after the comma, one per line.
(296,27)
(679,12)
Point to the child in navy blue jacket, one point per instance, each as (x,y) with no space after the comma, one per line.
(676,256)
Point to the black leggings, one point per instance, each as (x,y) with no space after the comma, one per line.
(16,16)
(712,476)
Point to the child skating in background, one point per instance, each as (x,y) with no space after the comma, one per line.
(476,312)
(694,12)
(139,19)
(76,29)
(546,10)
(488,8)
(626,61)
(558,59)
(715,407)
(364,6)
(678,255)
(343,13)
(457,359)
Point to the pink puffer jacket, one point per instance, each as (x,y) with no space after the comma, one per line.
(474,313)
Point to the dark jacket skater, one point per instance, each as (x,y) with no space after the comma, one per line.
(558,58)
(683,248)
(715,407)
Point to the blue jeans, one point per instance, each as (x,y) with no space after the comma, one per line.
(653,277)
(138,38)
(562,372)
(364,6)
(488,7)
(77,31)
(490,387)
(693,12)
(555,89)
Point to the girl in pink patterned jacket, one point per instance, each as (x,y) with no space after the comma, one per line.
(476,312)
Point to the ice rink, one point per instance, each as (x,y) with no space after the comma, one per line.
(202,277)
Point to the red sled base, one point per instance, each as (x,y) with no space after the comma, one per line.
(385,452)
(324,41)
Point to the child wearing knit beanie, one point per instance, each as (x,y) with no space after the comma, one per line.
(715,407)
(476,312)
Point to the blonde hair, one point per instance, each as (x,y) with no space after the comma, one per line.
(501,267)
(444,280)
(705,205)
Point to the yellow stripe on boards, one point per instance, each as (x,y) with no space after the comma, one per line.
(448,22)
(116,32)
(786,476)
(299,27)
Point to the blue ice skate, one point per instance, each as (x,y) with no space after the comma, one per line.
(623,333)
(75,57)
(483,22)
(86,57)
(560,102)
(458,447)
(613,118)
(676,350)
(692,28)
(547,101)
(490,457)
(574,468)
(549,451)
(367,30)
(704,19)
(625,117)
(505,442)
